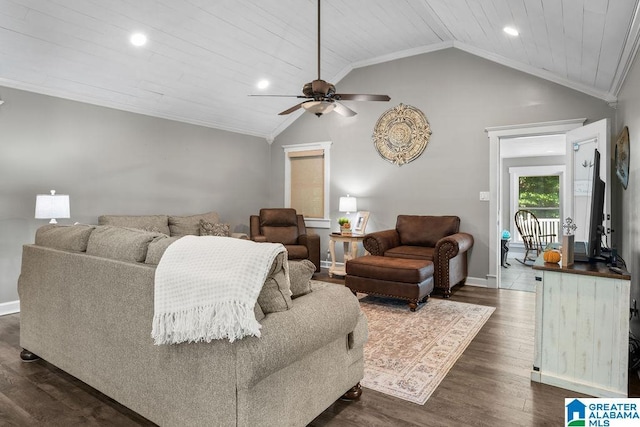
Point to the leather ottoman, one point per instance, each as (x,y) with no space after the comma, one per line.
(403,278)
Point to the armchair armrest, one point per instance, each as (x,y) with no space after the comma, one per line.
(450,261)
(381,241)
(259,238)
(312,242)
(450,246)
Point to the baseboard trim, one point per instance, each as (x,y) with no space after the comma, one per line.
(9,307)
(475,281)
(327,264)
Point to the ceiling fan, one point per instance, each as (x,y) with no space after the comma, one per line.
(321,97)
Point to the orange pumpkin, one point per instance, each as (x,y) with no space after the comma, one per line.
(551,256)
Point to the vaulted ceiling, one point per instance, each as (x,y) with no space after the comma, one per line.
(204,57)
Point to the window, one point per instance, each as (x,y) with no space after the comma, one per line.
(307,182)
(538,189)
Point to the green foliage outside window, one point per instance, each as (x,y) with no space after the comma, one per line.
(541,195)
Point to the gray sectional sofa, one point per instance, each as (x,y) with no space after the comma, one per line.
(86,297)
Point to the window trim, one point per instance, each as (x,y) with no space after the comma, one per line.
(326,147)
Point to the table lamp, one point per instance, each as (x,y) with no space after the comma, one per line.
(52,206)
(348,204)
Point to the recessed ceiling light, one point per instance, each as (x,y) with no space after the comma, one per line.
(511,31)
(138,39)
(263,84)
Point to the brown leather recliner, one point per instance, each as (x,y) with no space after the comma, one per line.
(284,225)
(433,238)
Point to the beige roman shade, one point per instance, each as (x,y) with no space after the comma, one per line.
(307,182)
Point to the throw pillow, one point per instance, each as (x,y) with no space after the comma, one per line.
(276,292)
(214,229)
(124,244)
(70,238)
(300,273)
(157,247)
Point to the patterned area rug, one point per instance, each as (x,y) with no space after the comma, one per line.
(408,354)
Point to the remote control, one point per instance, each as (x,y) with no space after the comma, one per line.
(616,270)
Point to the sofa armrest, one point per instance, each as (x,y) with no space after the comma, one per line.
(312,242)
(317,319)
(381,241)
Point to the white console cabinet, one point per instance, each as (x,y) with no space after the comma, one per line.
(582,328)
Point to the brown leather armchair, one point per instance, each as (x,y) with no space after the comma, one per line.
(283,225)
(433,238)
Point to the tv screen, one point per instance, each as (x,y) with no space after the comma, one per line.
(596,229)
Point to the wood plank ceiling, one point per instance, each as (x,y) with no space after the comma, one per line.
(204,57)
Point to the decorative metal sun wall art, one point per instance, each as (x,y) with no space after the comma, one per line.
(401,134)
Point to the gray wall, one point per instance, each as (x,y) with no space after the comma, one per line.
(114,162)
(461,95)
(625,204)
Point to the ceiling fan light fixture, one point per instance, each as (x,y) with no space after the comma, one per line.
(318,107)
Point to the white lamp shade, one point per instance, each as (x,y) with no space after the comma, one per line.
(348,204)
(52,206)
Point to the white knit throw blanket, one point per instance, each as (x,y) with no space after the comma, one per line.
(206,288)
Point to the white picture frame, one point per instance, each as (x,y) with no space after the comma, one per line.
(361,222)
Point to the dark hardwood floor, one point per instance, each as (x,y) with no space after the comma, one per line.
(488,386)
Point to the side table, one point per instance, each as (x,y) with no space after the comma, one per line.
(350,245)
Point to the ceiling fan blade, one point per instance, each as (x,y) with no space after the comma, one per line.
(344,110)
(360,97)
(284,96)
(292,109)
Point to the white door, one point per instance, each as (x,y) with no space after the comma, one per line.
(581,143)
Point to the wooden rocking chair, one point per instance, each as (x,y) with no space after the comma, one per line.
(529,228)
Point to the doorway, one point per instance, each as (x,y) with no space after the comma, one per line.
(533,174)
(514,137)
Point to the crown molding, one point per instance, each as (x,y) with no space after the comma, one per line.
(543,74)
(77,97)
(628,53)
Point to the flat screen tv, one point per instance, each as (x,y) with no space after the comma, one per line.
(596,229)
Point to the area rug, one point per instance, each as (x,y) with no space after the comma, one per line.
(409,353)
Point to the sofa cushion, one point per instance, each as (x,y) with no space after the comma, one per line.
(422,230)
(69,238)
(121,243)
(190,225)
(257,311)
(300,273)
(214,229)
(412,252)
(157,247)
(156,223)
(276,292)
